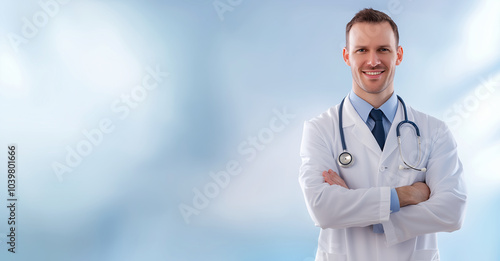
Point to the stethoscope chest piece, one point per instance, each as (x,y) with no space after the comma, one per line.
(345,159)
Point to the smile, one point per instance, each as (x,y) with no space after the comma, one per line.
(373,73)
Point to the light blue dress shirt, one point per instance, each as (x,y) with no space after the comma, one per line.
(389,108)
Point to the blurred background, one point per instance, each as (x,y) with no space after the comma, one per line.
(170,130)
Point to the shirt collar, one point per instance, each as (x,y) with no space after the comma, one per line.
(363,108)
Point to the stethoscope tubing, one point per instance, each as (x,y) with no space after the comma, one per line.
(345,159)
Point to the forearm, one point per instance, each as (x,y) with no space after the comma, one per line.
(338,207)
(413,194)
(443,212)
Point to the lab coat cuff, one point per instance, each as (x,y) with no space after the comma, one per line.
(394,201)
(385,204)
(390,233)
(394,207)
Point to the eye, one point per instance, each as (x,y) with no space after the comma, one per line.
(384,49)
(360,50)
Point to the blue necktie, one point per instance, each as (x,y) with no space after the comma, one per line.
(378,130)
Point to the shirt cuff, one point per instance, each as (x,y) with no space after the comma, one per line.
(394,201)
(378,228)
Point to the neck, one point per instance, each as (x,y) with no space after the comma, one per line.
(374,99)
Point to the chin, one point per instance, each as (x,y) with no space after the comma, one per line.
(373,90)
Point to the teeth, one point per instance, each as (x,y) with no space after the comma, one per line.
(373,73)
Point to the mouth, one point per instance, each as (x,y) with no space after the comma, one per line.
(373,74)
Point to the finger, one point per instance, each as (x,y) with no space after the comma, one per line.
(339,181)
(325,178)
(335,181)
(333,173)
(342,183)
(329,180)
(332,178)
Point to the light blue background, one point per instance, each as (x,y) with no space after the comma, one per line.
(227,75)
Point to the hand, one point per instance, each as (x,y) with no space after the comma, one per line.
(332,178)
(414,194)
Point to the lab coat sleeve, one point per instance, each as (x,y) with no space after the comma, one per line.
(445,209)
(332,206)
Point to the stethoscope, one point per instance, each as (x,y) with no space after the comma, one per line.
(345,158)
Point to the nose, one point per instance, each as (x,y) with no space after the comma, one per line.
(373,59)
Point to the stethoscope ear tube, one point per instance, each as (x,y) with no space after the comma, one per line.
(417,131)
(408,166)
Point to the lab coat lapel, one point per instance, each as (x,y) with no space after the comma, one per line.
(359,129)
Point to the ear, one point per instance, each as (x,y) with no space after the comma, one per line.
(400,55)
(345,54)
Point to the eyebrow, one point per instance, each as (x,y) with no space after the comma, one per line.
(364,47)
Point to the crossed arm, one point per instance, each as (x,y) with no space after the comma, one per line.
(438,205)
(408,195)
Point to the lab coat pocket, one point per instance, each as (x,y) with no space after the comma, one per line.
(410,176)
(323,256)
(332,242)
(425,255)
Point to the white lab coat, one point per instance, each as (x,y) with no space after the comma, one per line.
(346,215)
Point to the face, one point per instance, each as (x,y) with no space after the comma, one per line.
(373,56)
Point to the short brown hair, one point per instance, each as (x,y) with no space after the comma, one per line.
(369,15)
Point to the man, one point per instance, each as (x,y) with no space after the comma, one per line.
(389,203)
